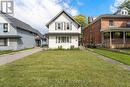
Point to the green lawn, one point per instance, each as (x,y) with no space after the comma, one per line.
(5,52)
(11,51)
(63,69)
(126,50)
(124,58)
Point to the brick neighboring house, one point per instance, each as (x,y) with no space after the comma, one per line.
(109,30)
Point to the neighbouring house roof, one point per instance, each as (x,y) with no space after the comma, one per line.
(53,19)
(10,36)
(124,8)
(109,16)
(19,24)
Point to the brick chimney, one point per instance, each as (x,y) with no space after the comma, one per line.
(89,19)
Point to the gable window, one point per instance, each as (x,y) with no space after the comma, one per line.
(125,13)
(122,12)
(59,26)
(3,42)
(63,25)
(5,26)
(68,26)
(111,23)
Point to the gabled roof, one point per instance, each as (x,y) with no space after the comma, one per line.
(53,19)
(19,24)
(125,8)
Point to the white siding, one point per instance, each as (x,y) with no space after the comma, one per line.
(74,38)
(53,44)
(64,18)
(2,20)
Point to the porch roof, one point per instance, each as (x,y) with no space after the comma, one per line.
(10,36)
(110,29)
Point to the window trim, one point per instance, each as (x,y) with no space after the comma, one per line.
(68,26)
(6,27)
(63,39)
(63,25)
(111,23)
(6,41)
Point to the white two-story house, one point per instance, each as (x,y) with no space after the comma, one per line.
(64,32)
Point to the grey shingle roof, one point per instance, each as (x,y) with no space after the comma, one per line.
(117,15)
(20,24)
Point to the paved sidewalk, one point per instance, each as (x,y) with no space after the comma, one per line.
(124,66)
(8,58)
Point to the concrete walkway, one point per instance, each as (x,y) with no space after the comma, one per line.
(82,48)
(8,58)
(124,66)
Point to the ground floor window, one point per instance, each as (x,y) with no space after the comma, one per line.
(3,42)
(63,39)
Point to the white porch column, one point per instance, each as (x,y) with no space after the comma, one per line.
(41,42)
(124,38)
(102,38)
(110,39)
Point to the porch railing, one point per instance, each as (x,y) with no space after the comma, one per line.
(128,40)
(117,41)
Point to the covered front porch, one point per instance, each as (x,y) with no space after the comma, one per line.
(116,38)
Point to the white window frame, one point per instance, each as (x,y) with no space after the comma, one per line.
(63,39)
(68,26)
(58,25)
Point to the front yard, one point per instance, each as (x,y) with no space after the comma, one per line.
(5,52)
(123,58)
(12,51)
(126,50)
(63,69)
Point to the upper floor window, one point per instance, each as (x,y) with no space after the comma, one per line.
(69,26)
(128,24)
(5,26)
(63,26)
(58,26)
(124,12)
(111,23)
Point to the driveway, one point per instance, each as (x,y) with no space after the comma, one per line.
(8,58)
